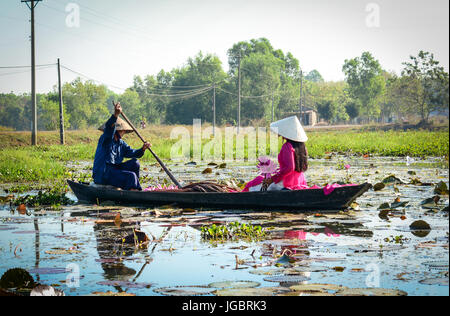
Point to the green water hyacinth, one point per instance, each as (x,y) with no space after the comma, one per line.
(232,231)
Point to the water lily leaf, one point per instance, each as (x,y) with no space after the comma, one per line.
(109,293)
(62,252)
(384,214)
(392,179)
(317,288)
(207,171)
(233,284)
(126,284)
(48,271)
(371,292)
(437,265)
(441,188)
(267,272)
(261,291)
(17,278)
(193,290)
(437,281)
(399,204)
(420,225)
(384,206)
(287,279)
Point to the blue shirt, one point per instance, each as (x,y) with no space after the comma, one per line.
(111,152)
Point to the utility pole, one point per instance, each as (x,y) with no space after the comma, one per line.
(32,4)
(301,97)
(61,110)
(214,109)
(273,110)
(239,94)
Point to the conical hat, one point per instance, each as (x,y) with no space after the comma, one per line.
(121,125)
(290,128)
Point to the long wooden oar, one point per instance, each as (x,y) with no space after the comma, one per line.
(154,155)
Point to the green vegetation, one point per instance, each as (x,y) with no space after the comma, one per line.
(232,231)
(53,197)
(21,163)
(44,164)
(269,77)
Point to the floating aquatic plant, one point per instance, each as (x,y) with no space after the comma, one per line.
(232,231)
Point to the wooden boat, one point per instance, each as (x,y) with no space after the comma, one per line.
(301,200)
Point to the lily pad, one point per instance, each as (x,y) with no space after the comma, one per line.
(184,290)
(441,188)
(48,271)
(317,288)
(287,279)
(437,265)
(371,292)
(420,225)
(125,284)
(17,278)
(267,272)
(392,180)
(437,281)
(379,186)
(234,284)
(207,171)
(62,252)
(261,291)
(109,293)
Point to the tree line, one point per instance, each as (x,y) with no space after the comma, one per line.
(269,79)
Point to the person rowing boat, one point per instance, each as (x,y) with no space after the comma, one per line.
(109,168)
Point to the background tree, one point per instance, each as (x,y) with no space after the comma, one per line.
(425,85)
(314,76)
(366,83)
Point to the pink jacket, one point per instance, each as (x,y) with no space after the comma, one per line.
(290,178)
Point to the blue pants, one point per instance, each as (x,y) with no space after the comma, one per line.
(124,176)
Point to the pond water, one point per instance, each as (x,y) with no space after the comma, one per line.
(355,249)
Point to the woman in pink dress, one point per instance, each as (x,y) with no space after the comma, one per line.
(292,159)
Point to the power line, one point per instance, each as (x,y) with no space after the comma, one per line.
(247,97)
(114,28)
(23,71)
(180,96)
(89,78)
(19,67)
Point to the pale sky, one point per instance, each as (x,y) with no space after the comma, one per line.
(118,39)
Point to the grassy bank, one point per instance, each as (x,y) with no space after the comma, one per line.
(20,162)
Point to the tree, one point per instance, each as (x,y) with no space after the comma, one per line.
(85,103)
(49,117)
(425,86)
(314,76)
(366,83)
(132,106)
(202,70)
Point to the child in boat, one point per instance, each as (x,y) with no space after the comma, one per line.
(293,159)
(111,150)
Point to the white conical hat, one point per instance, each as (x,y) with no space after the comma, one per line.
(290,128)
